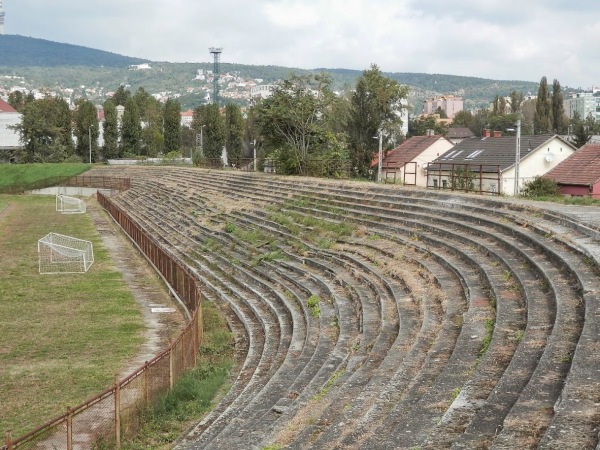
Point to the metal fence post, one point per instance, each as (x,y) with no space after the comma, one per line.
(146,383)
(170,364)
(69,429)
(117,414)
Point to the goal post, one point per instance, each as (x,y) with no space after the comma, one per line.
(58,253)
(69,205)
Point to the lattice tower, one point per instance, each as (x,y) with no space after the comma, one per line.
(216,52)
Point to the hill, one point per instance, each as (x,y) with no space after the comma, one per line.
(51,66)
(22,51)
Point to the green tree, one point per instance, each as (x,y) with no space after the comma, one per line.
(440,112)
(17,99)
(559,120)
(542,121)
(374,105)
(419,126)
(86,130)
(121,96)
(516,100)
(111,131)
(209,123)
(499,106)
(172,126)
(293,121)
(45,130)
(234,124)
(131,130)
(581,132)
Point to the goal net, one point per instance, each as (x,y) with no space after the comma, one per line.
(69,205)
(64,254)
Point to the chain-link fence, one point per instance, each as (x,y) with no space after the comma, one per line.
(116,413)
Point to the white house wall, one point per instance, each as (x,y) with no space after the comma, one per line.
(535,164)
(432,152)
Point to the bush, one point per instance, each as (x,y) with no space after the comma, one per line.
(540,187)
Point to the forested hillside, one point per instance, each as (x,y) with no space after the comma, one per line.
(46,65)
(22,51)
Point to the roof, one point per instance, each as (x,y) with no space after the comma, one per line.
(581,168)
(411,149)
(459,133)
(6,108)
(496,151)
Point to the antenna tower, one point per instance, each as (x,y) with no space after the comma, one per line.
(216,52)
(2,13)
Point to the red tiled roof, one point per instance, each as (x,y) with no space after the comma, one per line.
(581,168)
(6,108)
(410,149)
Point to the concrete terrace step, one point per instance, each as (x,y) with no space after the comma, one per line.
(401,360)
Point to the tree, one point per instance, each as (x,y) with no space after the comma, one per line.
(121,96)
(131,130)
(172,126)
(581,132)
(111,131)
(86,130)
(543,109)
(559,120)
(234,125)
(374,105)
(499,106)
(420,126)
(210,124)
(440,112)
(516,100)
(293,121)
(45,130)
(18,100)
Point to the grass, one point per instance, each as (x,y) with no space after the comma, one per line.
(25,174)
(583,201)
(194,393)
(74,330)
(313,305)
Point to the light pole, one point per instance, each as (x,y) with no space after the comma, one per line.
(380,154)
(202,140)
(254,149)
(517,157)
(90,141)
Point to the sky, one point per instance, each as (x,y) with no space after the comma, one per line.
(496,39)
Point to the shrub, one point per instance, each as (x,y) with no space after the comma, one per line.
(540,187)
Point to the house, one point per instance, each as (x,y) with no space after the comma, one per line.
(459,134)
(406,163)
(579,175)
(9,138)
(489,164)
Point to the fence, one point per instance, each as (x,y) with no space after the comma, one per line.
(100,182)
(114,414)
(477,178)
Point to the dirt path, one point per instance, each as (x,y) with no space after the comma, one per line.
(162,315)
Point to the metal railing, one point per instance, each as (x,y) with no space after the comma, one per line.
(476,178)
(312,167)
(114,414)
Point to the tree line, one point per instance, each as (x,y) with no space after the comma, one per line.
(303,123)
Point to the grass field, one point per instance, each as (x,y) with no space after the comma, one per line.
(63,338)
(23,174)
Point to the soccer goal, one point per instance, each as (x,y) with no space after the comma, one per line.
(64,254)
(69,205)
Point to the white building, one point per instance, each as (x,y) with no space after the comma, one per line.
(9,138)
(262,91)
(584,103)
